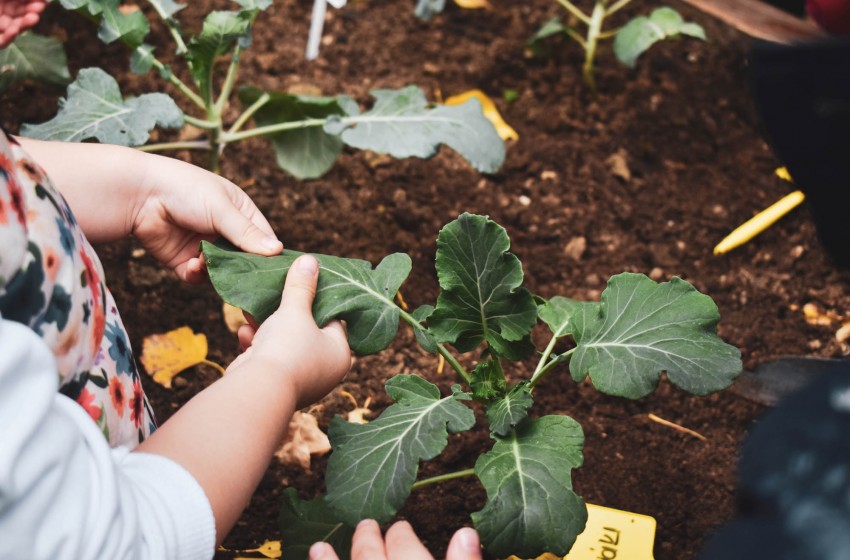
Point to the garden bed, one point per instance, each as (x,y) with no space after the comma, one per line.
(682,123)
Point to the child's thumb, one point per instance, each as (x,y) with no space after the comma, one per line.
(300,286)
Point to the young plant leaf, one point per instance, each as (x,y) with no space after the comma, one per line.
(94,109)
(33,57)
(488,380)
(639,34)
(423,336)
(641,328)
(402,125)
(308,152)
(254,4)
(303,523)
(557,312)
(531,507)
(537,42)
(481,298)
(221,31)
(348,289)
(373,466)
(511,409)
(167,7)
(426,8)
(131,27)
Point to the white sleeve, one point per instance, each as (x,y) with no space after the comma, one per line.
(64,494)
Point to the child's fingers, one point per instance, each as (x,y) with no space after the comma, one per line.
(300,287)
(322,551)
(402,542)
(465,545)
(245,336)
(367,543)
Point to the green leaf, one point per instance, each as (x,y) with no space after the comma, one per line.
(488,380)
(94,109)
(33,57)
(639,34)
(401,124)
(531,507)
(131,27)
(141,61)
(219,35)
(303,523)
(423,336)
(167,7)
(373,466)
(510,410)
(426,8)
(481,298)
(556,313)
(308,152)
(254,4)
(348,289)
(641,328)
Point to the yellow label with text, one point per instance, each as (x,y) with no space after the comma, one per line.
(611,534)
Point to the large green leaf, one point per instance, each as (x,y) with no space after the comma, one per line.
(402,125)
(373,466)
(94,109)
(348,289)
(34,57)
(303,523)
(641,328)
(308,152)
(481,297)
(220,33)
(131,27)
(509,410)
(639,34)
(531,507)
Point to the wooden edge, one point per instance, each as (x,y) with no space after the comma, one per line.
(760,20)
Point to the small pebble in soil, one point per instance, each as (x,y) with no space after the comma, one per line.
(524,200)
(797,252)
(575,248)
(656,274)
(842,334)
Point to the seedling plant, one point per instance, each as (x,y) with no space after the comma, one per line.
(630,41)
(308,132)
(623,343)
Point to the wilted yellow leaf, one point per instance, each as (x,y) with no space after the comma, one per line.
(166,355)
(489,108)
(303,439)
(474,4)
(233,317)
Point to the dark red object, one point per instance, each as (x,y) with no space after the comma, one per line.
(832,15)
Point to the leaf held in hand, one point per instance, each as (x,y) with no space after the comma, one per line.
(641,328)
(373,466)
(303,523)
(531,507)
(489,109)
(166,355)
(303,439)
(348,289)
(94,109)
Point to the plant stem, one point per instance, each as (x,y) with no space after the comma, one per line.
(229,80)
(169,23)
(444,352)
(593,30)
(214,366)
(271,129)
(199,123)
(442,478)
(574,11)
(545,370)
(248,113)
(178,83)
(186,145)
(617,6)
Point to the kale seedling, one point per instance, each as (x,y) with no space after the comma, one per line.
(630,41)
(624,342)
(308,132)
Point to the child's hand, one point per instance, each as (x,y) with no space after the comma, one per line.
(17,16)
(313,360)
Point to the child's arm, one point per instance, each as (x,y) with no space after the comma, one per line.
(168,204)
(226,435)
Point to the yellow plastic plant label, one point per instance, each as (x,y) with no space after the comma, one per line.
(473,4)
(611,534)
(506,132)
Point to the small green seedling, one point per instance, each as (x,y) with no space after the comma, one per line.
(624,342)
(308,132)
(630,41)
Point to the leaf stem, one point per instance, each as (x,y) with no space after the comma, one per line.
(593,31)
(271,129)
(215,366)
(199,123)
(444,352)
(169,23)
(179,84)
(186,145)
(442,478)
(617,6)
(574,11)
(229,80)
(249,112)
(545,370)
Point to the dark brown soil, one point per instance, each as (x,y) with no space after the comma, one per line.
(683,121)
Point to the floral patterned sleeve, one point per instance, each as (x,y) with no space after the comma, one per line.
(52,281)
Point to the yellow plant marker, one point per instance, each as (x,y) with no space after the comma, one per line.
(166,355)
(611,533)
(782,173)
(489,108)
(269,549)
(759,222)
(473,4)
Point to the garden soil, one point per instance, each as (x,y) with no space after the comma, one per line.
(647,176)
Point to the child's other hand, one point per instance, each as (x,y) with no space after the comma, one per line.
(313,360)
(17,16)
(181,204)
